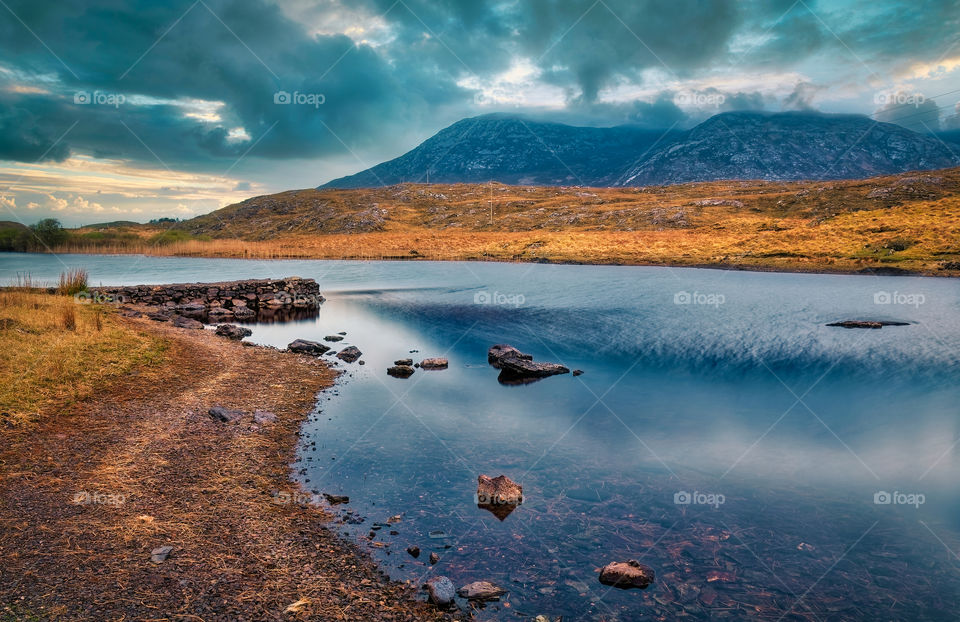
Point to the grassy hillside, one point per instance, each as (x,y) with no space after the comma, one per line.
(905,222)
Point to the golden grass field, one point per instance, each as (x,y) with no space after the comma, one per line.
(908,222)
(55,352)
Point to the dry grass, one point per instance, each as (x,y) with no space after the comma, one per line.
(72,281)
(54,352)
(909,221)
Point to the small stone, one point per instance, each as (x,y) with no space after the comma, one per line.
(627,574)
(225,415)
(160,554)
(578,372)
(333,338)
(400,371)
(263,416)
(414,551)
(405,362)
(184,322)
(434,558)
(304,346)
(336,499)
(441,591)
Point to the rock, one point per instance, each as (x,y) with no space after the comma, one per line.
(406,362)
(232,331)
(336,499)
(441,591)
(333,338)
(516,367)
(159,316)
(414,551)
(224,415)
(243,313)
(866,324)
(184,322)
(219,312)
(498,352)
(161,553)
(400,371)
(481,590)
(361,362)
(434,363)
(578,372)
(349,354)
(434,558)
(499,490)
(263,416)
(626,575)
(303,346)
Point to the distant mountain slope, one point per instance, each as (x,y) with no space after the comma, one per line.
(789,146)
(514,150)
(733,145)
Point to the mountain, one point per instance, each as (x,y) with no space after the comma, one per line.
(732,145)
(514,150)
(789,146)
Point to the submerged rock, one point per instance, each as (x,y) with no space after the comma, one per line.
(414,551)
(867,324)
(441,591)
(349,354)
(335,499)
(434,363)
(626,575)
(434,558)
(232,331)
(333,338)
(400,371)
(481,590)
(304,346)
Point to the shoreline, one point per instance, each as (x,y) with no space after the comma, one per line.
(872,270)
(217,492)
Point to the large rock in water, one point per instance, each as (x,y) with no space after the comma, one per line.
(434,363)
(481,590)
(517,367)
(232,331)
(498,495)
(349,354)
(303,346)
(501,351)
(626,575)
(867,324)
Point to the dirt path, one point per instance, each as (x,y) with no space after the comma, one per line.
(86,495)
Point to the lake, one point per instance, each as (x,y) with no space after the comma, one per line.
(767,466)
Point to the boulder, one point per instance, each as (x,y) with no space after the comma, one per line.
(501,351)
(349,354)
(626,575)
(481,590)
(400,371)
(232,331)
(511,368)
(333,338)
(184,322)
(441,591)
(434,363)
(225,415)
(304,346)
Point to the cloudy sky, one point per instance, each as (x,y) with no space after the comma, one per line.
(134,109)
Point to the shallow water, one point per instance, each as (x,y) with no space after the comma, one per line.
(715,382)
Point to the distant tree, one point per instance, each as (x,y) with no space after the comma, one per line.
(49,233)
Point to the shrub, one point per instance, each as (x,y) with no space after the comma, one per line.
(73,281)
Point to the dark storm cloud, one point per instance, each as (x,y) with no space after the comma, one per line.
(242,53)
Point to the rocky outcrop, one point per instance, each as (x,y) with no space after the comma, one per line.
(231,331)
(304,346)
(434,363)
(626,575)
(516,367)
(236,298)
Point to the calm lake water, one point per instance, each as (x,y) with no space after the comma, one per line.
(822,462)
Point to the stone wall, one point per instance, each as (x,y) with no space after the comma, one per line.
(228,298)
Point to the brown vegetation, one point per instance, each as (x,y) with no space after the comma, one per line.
(909,222)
